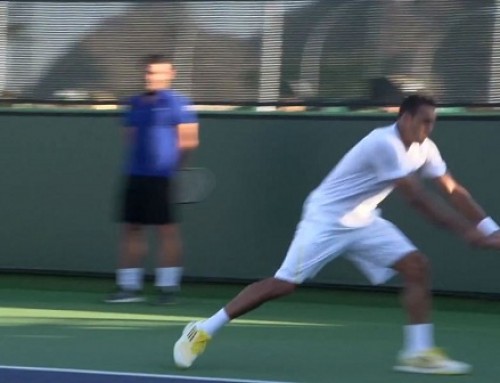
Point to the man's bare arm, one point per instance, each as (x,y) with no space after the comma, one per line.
(460,198)
(188,137)
(440,214)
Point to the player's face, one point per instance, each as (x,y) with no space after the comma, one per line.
(422,123)
(159,76)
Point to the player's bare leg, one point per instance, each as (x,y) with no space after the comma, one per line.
(416,296)
(169,269)
(419,354)
(197,334)
(256,294)
(133,248)
(170,251)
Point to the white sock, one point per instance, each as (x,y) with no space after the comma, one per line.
(215,322)
(168,277)
(129,279)
(418,337)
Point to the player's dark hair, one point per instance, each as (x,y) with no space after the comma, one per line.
(412,103)
(157,59)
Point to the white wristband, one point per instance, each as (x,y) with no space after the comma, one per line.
(487,226)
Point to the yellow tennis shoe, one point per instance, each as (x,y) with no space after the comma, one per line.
(431,361)
(190,345)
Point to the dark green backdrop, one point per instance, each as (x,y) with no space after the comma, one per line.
(61,175)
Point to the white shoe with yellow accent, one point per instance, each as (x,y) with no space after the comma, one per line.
(431,361)
(190,345)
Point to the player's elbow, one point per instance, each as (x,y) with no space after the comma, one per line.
(451,188)
(415,201)
(457,195)
(460,191)
(414,196)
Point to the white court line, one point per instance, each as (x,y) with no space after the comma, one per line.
(135,374)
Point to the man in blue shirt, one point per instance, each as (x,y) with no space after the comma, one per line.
(161,129)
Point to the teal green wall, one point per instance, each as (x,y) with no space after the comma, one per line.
(61,176)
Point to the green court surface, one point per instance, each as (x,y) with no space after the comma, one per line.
(314,336)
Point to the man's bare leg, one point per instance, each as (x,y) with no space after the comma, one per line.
(169,266)
(419,354)
(129,275)
(416,300)
(247,300)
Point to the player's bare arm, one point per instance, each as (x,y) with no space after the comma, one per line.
(188,137)
(464,203)
(440,214)
(460,198)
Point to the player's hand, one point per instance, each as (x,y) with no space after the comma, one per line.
(475,238)
(492,241)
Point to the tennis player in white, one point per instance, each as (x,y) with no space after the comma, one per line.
(340,217)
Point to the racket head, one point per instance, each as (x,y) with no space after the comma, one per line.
(193,185)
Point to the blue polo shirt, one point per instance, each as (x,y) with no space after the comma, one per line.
(153,150)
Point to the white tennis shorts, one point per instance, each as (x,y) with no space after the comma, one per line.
(373,249)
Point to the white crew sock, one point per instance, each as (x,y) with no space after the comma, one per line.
(129,279)
(215,322)
(418,337)
(168,277)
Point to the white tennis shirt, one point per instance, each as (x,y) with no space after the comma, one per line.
(365,176)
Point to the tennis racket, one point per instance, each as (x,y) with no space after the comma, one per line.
(193,185)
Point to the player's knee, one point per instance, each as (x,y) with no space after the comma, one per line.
(414,268)
(278,287)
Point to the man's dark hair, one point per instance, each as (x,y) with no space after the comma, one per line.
(411,103)
(157,59)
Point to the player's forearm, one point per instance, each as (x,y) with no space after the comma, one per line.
(188,142)
(188,136)
(470,209)
(440,214)
(465,205)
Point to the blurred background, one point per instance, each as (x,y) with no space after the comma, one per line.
(325,52)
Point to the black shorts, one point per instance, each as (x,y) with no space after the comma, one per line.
(148,201)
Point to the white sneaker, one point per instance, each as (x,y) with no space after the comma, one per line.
(431,361)
(190,345)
